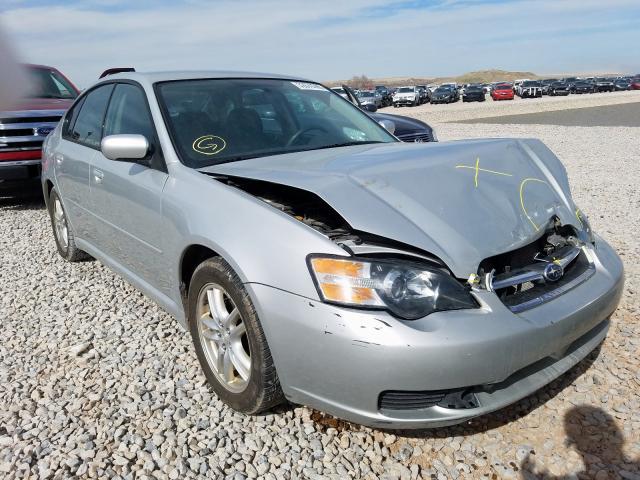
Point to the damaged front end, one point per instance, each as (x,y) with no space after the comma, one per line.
(559,260)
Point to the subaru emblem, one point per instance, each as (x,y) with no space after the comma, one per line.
(418,140)
(553,272)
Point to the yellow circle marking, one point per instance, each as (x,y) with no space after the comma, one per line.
(579,217)
(522,184)
(209,144)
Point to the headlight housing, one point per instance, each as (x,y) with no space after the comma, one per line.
(407,290)
(586,233)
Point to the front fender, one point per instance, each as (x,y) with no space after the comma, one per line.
(262,244)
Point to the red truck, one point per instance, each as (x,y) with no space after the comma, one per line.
(24,126)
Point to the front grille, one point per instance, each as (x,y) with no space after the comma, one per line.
(6,119)
(521,299)
(18,147)
(423,137)
(20,130)
(418,400)
(519,279)
(16,132)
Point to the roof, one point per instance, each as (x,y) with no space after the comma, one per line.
(35,65)
(154,77)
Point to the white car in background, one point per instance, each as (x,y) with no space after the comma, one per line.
(407,95)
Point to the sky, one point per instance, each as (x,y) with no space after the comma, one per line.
(326,40)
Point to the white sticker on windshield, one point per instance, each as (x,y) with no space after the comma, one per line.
(308,86)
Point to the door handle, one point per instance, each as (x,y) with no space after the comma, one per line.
(98,176)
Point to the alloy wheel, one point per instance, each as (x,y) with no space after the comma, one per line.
(60,224)
(223,336)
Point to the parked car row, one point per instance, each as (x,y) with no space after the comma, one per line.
(413,95)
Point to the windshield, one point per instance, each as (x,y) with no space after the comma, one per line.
(474,88)
(443,90)
(405,90)
(47,83)
(365,94)
(504,86)
(224,120)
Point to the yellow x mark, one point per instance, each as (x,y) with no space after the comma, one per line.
(477,169)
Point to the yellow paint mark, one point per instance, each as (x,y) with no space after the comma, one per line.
(522,184)
(579,217)
(209,144)
(475,178)
(477,171)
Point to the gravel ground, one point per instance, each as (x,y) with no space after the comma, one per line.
(96,381)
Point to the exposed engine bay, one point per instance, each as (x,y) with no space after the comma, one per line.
(310,209)
(539,271)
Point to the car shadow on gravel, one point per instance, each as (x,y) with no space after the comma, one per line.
(33,201)
(596,437)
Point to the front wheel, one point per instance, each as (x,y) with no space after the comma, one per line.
(229,340)
(62,232)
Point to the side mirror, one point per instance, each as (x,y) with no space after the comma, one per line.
(369,107)
(125,147)
(388,125)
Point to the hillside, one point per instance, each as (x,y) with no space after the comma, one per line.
(482,76)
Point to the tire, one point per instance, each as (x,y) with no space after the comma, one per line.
(259,388)
(62,231)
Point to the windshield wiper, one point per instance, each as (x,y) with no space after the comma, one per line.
(346,144)
(270,153)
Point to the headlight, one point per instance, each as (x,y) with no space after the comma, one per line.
(434,136)
(407,290)
(586,233)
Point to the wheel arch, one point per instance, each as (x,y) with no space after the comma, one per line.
(196,252)
(48,186)
(192,256)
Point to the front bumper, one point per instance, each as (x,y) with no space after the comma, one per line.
(340,360)
(405,101)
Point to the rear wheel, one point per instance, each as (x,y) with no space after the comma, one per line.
(62,232)
(229,340)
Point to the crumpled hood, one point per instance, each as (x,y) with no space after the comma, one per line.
(461,201)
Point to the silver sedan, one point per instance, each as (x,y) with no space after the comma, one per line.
(313,257)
